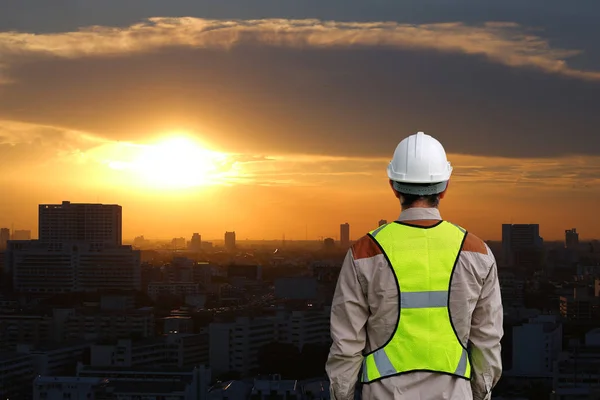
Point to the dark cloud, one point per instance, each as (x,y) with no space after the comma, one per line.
(329,101)
(566,24)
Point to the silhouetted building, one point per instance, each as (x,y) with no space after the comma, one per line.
(296,287)
(250,272)
(65,267)
(21,234)
(4,237)
(581,306)
(520,242)
(92,223)
(141,242)
(345,235)
(571,239)
(382,222)
(328,243)
(16,374)
(230,241)
(196,242)
(178,243)
(512,288)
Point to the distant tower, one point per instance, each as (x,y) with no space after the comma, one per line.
(571,239)
(518,238)
(4,237)
(75,222)
(230,240)
(382,222)
(345,235)
(196,242)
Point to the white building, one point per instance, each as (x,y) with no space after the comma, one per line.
(309,326)
(126,385)
(16,375)
(179,351)
(536,346)
(95,324)
(124,353)
(234,345)
(59,388)
(282,389)
(577,374)
(54,359)
(16,329)
(153,383)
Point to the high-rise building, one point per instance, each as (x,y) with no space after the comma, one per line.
(382,222)
(345,235)
(519,241)
(73,267)
(21,234)
(79,250)
(4,237)
(71,222)
(196,242)
(230,240)
(571,239)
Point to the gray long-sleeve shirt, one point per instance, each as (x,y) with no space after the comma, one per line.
(365,310)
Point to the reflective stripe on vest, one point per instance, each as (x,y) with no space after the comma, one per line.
(423,261)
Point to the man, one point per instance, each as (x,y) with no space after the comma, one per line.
(417,309)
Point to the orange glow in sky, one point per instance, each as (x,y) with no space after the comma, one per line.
(175,162)
(285,127)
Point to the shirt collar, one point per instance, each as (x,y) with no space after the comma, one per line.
(417,213)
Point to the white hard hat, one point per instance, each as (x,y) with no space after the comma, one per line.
(419,159)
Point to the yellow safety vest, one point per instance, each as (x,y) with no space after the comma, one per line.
(423,261)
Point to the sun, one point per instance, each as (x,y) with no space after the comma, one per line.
(175,162)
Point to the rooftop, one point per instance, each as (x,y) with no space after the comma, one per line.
(134,370)
(69,379)
(147,388)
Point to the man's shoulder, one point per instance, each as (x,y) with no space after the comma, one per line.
(474,244)
(365,247)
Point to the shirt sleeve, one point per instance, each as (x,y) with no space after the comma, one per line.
(486,333)
(349,315)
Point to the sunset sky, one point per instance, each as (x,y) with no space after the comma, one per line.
(277,116)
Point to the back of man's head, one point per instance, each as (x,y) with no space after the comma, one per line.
(419,171)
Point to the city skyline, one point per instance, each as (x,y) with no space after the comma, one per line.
(566,236)
(186,187)
(274,132)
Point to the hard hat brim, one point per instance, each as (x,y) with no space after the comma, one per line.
(419,190)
